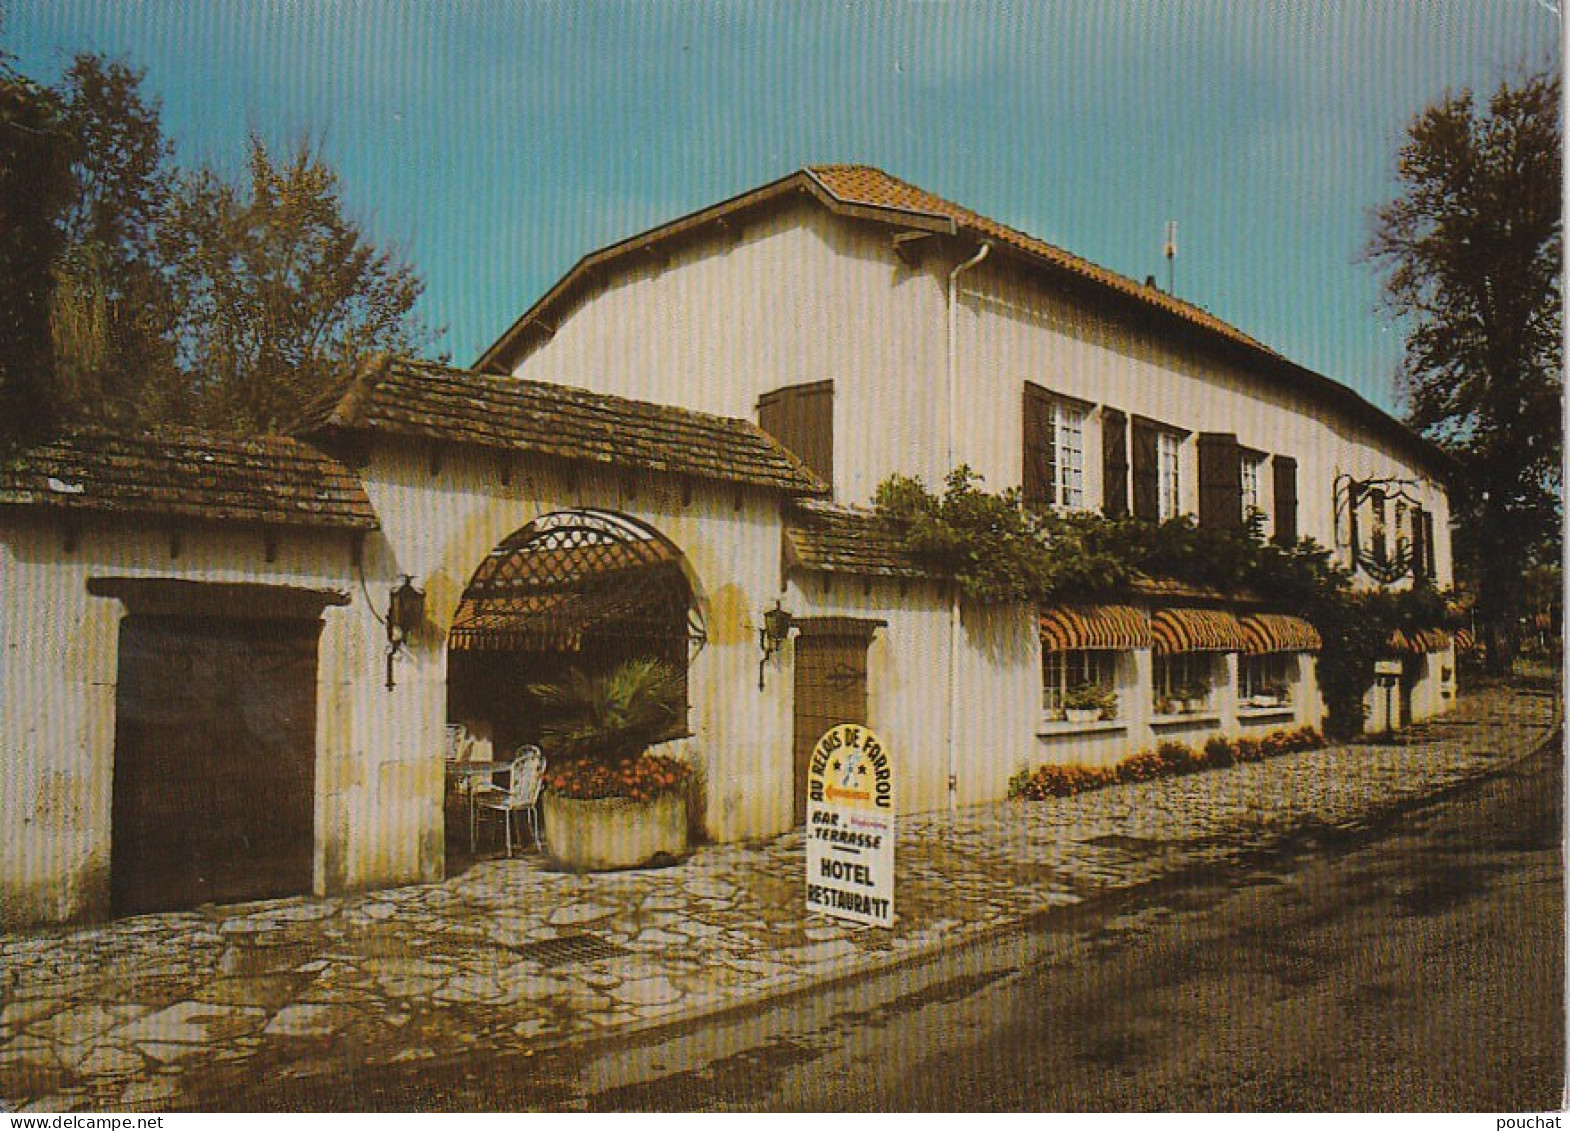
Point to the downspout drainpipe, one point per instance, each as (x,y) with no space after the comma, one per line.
(953,410)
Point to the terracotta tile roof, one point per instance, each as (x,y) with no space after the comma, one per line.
(403,397)
(871,187)
(833,538)
(273,481)
(865,192)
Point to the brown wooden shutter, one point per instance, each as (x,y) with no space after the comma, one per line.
(1146,495)
(801,417)
(1419,542)
(1038,483)
(1285,471)
(1429,569)
(1220,481)
(1114,463)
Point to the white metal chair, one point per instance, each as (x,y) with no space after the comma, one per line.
(526,779)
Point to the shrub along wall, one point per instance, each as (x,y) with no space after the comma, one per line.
(1167,760)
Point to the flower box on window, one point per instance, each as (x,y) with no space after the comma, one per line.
(1089,703)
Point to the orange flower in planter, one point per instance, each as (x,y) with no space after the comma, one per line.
(598,727)
(639,779)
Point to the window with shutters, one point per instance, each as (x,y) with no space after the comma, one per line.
(1169,447)
(1403,536)
(1157,451)
(1054,472)
(1252,474)
(801,417)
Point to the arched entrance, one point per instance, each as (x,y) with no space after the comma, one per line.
(574,589)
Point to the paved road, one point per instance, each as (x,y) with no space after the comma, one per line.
(1420,971)
(1418,966)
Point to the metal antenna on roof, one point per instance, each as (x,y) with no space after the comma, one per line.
(1171,253)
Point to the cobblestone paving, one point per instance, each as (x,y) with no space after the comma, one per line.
(158,1011)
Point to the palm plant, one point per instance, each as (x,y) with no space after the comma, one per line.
(610,716)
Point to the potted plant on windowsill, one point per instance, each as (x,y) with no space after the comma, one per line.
(1193,697)
(608,802)
(1089,702)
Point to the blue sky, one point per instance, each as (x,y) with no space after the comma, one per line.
(496,143)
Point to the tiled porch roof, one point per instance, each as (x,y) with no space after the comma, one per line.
(271,481)
(424,400)
(826,537)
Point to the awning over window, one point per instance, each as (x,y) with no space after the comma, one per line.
(1196,630)
(1067,628)
(1276,632)
(1465,641)
(1419,640)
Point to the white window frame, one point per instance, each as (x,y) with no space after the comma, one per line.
(1252,474)
(1169,475)
(1176,669)
(1063,670)
(1068,446)
(1254,673)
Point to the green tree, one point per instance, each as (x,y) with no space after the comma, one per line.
(277,293)
(112,314)
(35,189)
(1472,252)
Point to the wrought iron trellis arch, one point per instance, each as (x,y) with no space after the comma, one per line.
(574,577)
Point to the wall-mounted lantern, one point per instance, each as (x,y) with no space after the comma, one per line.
(777,624)
(405,613)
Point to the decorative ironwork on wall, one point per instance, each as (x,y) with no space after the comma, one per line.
(577,576)
(1388,533)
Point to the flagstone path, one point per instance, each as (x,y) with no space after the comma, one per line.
(155,1012)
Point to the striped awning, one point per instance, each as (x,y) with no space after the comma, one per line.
(1465,641)
(1277,632)
(1196,630)
(1067,628)
(1416,641)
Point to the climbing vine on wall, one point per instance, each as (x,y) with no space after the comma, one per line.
(997,550)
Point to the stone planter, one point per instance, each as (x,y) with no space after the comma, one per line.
(608,833)
(1082,714)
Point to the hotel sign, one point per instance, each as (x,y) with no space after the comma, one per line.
(850,827)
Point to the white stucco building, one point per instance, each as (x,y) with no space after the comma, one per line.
(877,329)
(682,434)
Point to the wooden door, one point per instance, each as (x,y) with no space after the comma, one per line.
(831,687)
(214,761)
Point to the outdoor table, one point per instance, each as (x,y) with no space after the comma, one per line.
(467,776)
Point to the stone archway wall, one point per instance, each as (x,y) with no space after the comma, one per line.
(572,590)
(440,520)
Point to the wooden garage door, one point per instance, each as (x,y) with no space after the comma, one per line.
(214,761)
(831,686)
